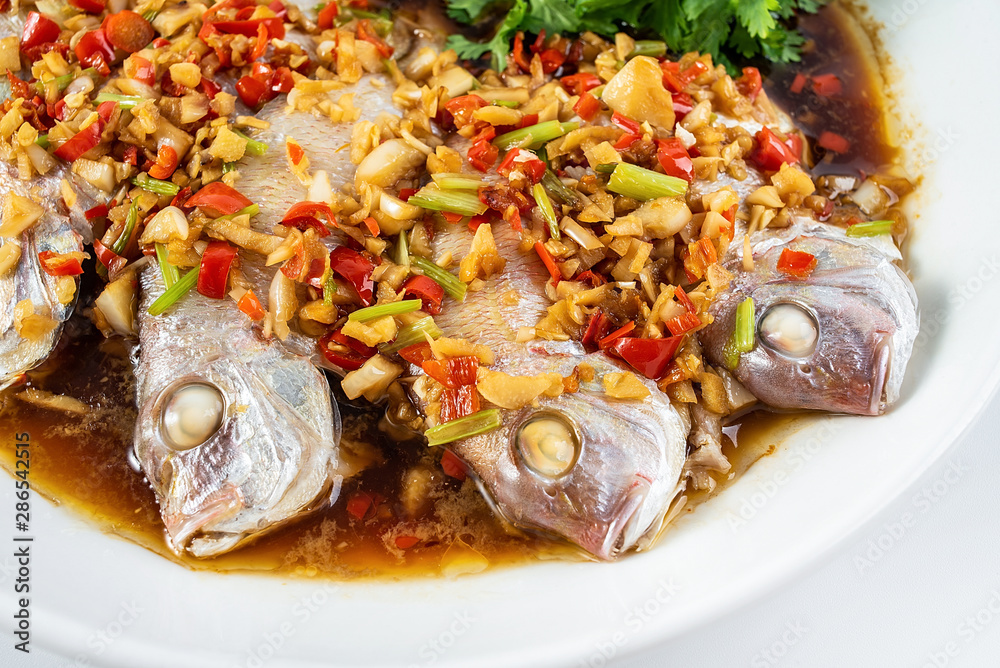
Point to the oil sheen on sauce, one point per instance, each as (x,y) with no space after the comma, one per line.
(83,462)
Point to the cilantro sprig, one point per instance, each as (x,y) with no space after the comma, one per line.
(728,29)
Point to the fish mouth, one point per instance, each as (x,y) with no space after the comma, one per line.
(182,527)
(624,529)
(882,360)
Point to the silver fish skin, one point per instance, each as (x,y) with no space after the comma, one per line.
(859,306)
(274,453)
(60,229)
(629,453)
(268,181)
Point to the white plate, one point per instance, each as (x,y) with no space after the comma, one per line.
(103,601)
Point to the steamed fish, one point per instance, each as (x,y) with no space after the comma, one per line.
(36,221)
(836,340)
(235,434)
(597,471)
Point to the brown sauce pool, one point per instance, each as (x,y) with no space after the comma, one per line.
(83,462)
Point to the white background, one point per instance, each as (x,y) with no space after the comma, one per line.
(903,591)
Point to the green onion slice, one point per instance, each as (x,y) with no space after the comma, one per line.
(648,47)
(329,288)
(147,182)
(175,292)
(382,310)
(124,101)
(449,181)
(414,333)
(441,276)
(402,250)
(644,184)
(545,206)
(254,147)
(434,199)
(470,425)
(555,186)
(743,338)
(170,272)
(533,135)
(251,211)
(872,228)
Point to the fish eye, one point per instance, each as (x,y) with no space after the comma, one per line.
(548,444)
(789,329)
(192,414)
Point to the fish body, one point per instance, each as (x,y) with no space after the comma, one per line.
(235,434)
(268,180)
(838,340)
(628,454)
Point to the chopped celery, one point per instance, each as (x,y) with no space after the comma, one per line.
(742,339)
(872,228)
(533,135)
(170,273)
(510,104)
(644,184)
(254,147)
(147,182)
(555,186)
(545,206)
(43,141)
(465,203)
(382,310)
(441,276)
(329,288)
(174,292)
(450,181)
(228,167)
(648,47)
(416,332)
(477,423)
(124,101)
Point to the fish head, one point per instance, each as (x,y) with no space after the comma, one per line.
(837,340)
(240,439)
(593,470)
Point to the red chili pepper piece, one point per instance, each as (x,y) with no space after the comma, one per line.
(587,106)
(59,264)
(94,50)
(750,83)
(548,261)
(796,263)
(626,124)
(518,53)
(458,402)
(417,354)
(461,108)
(88,6)
(452,465)
(683,104)
(453,372)
(524,161)
(140,69)
(405,542)
(351,353)
(217,199)
(326,15)
(834,142)
(771,152)
(303,215)
(128,31)
(684,300)
(166,162)
(368,34)
(615,335)
(215,264)
(251,306)
(798,83)
(579,83)
(650,357)
(38,30)
(111,260)
(428,291)
(683,323)
(356,270)
(597,329)
(625,141)
(89,137)
(827,84)
(359,504)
